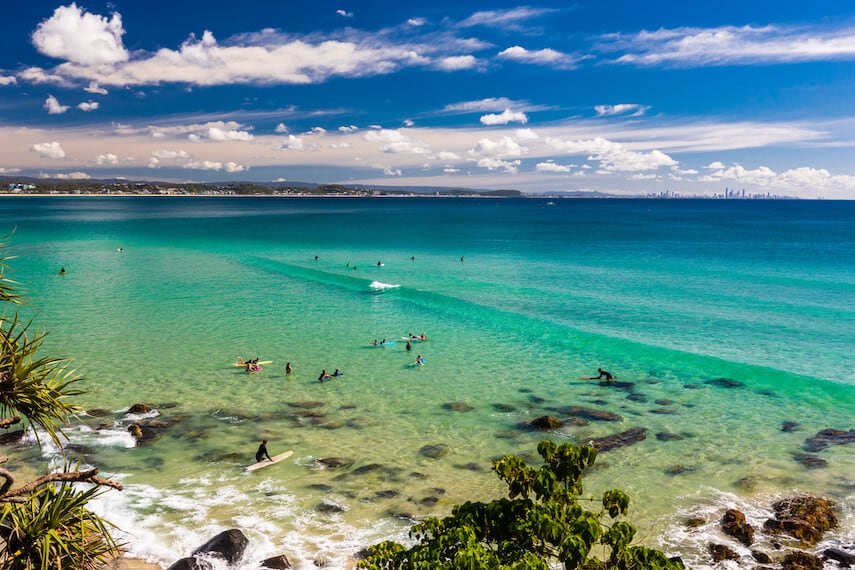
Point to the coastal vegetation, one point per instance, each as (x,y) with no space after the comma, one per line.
(542,522)
(44,523)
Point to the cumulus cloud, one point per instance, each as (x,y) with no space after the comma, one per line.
(77,36)
(51,150)
(344,13)
(67,176)
(53,107)
(804,180)
(317,131)
(348,128)
(280,128)
(457,62)
(546,56)
(526,135)
(9,170)
(396,142)
(416,22)
(409,122)
(218,134)
(551,166)
(385,136)
(95,88)
(341,145)
(38,76)
(446,156)
(88,106)
(505,117)
(392,172)
(108,158)
(631,109)
(509,167)
(160,155)
(504,147)
(8,80)
(730,45)
(613,156)
(293,143)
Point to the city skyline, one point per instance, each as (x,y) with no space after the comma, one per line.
(593,96)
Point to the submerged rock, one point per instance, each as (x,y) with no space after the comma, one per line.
(810,461)
(334,462)
(434,451)
(622,439)
(725,383)
(590,414)
(306,405)
(668,436)
(457,407)
(803,518)
(504,407)
(636,397)
(625,386)
(546,422)
(787,427)
(829,437)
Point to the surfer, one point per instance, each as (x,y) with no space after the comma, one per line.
(62,270)
(409,346)
(604,375)
(419,360)
(288,368)
(324,376)
(262,452)
(337,373)
(379,264)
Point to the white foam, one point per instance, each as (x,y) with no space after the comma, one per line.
(379,285)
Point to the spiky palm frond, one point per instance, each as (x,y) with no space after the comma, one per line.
(8,288)
(54,530)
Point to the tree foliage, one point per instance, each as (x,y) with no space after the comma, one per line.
(44,523)
(539,525)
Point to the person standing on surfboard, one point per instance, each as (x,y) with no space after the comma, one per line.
(262,451)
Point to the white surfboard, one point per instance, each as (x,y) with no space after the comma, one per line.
(272,461)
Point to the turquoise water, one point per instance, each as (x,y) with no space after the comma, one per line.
(519,299)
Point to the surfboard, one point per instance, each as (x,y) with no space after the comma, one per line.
(413,339)
(276,459)
(243,364)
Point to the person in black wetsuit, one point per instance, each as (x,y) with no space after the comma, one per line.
(605,375)
(262,451)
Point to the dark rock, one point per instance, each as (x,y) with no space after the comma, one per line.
(417,475)
(575,422)
(725,383)
(187,563)
(810,461)
(663,411)
(11,437)
(98,413)
(761,557)
(590,414)
(789,426)
(679,469)
(721,552)
(329,507)
(803,518)
(546,422)
(827,438)
(668,436)
(306,405)
(746,483)
(434,451)
(504,408)
(734,524)
(695,522)
(321,561)
(429,501)
(334,462)
(622,439)
(276,563)
(635,397)
(229,544)
(799,560)
(508,433)
(845,559)
(691,386)
(387,494)
(471,466)
(367,468)
(600,402)
(524,390)
(663,402)
(536,399)
(139,409)
(320,487)
(457,407)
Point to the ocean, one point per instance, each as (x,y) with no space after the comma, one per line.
(729,318)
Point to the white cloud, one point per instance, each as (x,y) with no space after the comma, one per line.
(385,136)
(95,89)
(317,131)
(9,170)
(507,19)
(613,156)
(218,134)
(341,145)
(416,22)
(280,128)
(88,106)
(53,107)
(8,80)
(409,122)
(293,143)
(348,128)
(506,116)
(632,109)
(550,166)
(108,158)
(450,170)
(481,105)
(526,135)
(547,56)
(729,45)
(77,36)
(51,150)
(457,62)
(447,156)
(392,172)
(714,166)
(489,163)
(344,13)
(68,176)
(233,167)
(39,76)
(504,147)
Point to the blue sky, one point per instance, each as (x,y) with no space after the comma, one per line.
(607,95)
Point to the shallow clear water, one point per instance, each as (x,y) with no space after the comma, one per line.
(519,300)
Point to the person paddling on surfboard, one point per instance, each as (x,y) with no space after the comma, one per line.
(262,452)
(604,375)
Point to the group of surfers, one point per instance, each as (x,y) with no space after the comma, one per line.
(252,364)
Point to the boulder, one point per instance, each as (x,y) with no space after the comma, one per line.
(803,518)
(276,563)
(229,544)
(140,409)
(668,436)
(846,559)
(622,439)
(810,461)
(187,563)
(590,414)
(799,560)
(334,462)
(827,438)
(721,552)
(787,427)
(734,524)
(761,557)
(546,422)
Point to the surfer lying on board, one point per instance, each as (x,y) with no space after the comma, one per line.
(419,360)
(262,451)
(324,376)
(604,375)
